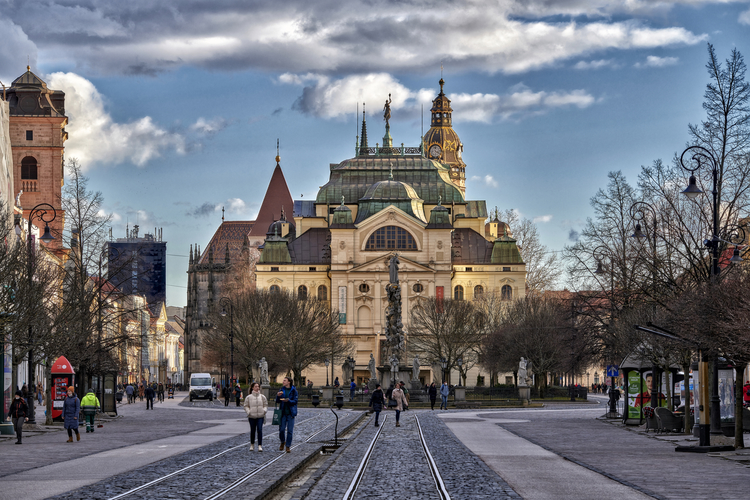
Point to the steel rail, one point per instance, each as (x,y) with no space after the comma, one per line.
(184,469)
(439,484)
(360,472)
(252,473)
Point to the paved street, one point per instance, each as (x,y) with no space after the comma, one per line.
(560,451)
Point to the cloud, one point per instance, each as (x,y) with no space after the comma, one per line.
(657,62)
(487,179)
(298,36)
(231,206)
(335,98)
(745,17)
(598,64)
(209,127)
(542,218)
(16,47)
(574,235)
(95,137)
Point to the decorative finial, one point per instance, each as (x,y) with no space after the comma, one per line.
(441,82)
(342,200)
(283,215)
(390,176)
(278,158)
(440,199)
(28,63)
(222,214)
(387,111)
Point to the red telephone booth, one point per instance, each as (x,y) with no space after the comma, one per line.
(63,376)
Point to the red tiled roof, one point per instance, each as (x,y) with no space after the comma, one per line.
(230,233)
(277,196)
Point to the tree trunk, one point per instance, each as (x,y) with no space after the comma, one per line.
(48,393)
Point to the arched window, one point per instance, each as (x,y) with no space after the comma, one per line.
(275,288)
(478,291)
(363,317)
(322,292)
(391,238)
(302,292)
(506,292)
(458,293)
(28,168)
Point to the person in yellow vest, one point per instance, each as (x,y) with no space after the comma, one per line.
(90,405)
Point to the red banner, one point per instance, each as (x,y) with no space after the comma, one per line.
(439,293)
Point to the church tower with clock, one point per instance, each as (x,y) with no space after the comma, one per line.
(442,142)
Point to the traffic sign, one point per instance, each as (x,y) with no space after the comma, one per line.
(613,370)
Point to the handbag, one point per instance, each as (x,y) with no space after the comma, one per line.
(392,403)
(276,420)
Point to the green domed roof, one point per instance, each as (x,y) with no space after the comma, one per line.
(383,194)
(390,190)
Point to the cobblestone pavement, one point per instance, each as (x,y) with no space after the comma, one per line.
(398,467)
(235,461)
(645,463)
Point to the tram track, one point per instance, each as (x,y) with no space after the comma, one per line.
(244,445)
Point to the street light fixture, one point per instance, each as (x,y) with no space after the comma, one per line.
(460,363)
(327,362)
(444,364)
(223,302)
(45,213)
(599,253)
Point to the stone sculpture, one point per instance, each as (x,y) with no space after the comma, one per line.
(263,365)
(415,368)
(522,373)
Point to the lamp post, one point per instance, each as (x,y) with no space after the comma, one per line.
(700,157)
(223,302)
(45,213)
(327,362)
(599,253)
(460,363)
(444,364)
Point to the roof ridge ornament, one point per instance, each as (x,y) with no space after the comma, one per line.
(278,158)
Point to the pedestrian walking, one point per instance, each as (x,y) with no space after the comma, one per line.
(141,390)
(237,394)
(90,405)
(377,400)
(287,398)
(336,383)
(256,407)
(130,391)
(388,396)
(39,393)
(160,392)
(401,404)
(150,394)
(225,392)
(19,413)
(71,411)
(432,392)
(444,391)
(352,390)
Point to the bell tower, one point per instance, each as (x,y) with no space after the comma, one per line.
(442,142)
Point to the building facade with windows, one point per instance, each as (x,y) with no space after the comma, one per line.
(390,200)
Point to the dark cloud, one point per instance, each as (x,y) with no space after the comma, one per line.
(202,211)
(277,111)
(574,235)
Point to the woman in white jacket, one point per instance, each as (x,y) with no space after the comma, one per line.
(256,406)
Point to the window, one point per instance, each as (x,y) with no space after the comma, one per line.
(364,288)
(29,135)
(506,292)
(506,269)
(28,168)
(458,293)
(275,288)
(274,269)
(469,269)
(478,291)
(322,292)
(391,238)
(418,288)
(312,269)
(302,292)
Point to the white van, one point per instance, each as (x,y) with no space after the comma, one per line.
(200,386)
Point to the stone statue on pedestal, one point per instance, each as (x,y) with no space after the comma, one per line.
(263,365)
(522,382)
(415,368)
(394,368)
(371,367)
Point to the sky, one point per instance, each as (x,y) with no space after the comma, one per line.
(175,107)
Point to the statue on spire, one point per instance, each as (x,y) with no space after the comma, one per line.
(387,112)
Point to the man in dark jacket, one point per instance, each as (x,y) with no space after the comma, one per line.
(286,398)
(432,391)
(237,394)
(388,393)
(150,395)
(225,392)
(377,401)
(19,413)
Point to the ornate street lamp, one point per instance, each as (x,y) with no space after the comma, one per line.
(599,254)
(327,362)
(460,363)
(444,364)
(223,302)
(45,213)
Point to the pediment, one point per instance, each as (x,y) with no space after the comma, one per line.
(391,216)
(380,264)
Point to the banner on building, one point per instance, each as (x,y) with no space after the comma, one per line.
(342,305)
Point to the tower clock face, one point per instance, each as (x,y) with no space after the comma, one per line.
(435,151)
